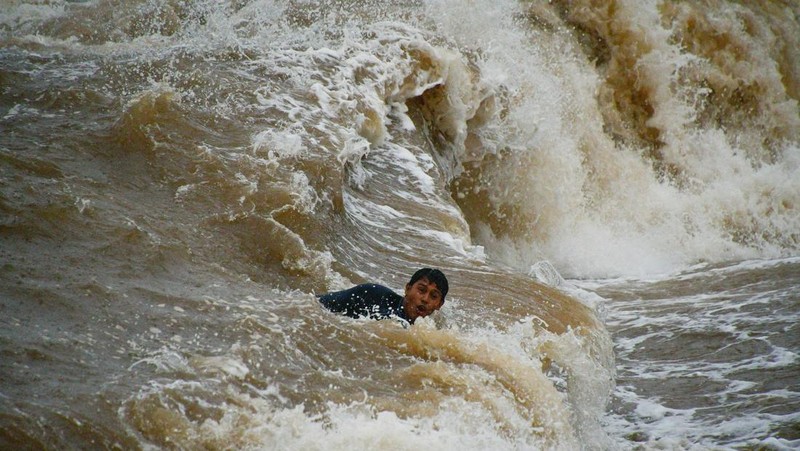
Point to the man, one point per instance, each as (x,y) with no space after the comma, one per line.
(424,294)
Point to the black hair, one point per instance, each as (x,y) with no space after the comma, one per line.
(433,275)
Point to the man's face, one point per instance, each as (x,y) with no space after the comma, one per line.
(421,299)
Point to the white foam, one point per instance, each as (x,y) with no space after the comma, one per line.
(278,144)
(600,208)
(21,16)
(743,331)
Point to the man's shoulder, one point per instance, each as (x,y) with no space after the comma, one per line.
(375,288)
(369,299)
(366,291)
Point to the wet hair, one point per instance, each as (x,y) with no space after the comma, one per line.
(433,275)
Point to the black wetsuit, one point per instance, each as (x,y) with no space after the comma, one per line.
(369,300)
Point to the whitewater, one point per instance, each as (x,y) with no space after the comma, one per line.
(610,186)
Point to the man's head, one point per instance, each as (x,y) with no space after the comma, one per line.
(424,293)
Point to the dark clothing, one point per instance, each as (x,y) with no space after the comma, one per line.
(369,300)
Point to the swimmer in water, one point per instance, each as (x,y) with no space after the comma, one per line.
(424,294)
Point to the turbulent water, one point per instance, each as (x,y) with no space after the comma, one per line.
(612,188)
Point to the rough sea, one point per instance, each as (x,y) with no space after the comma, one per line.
(611,186)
